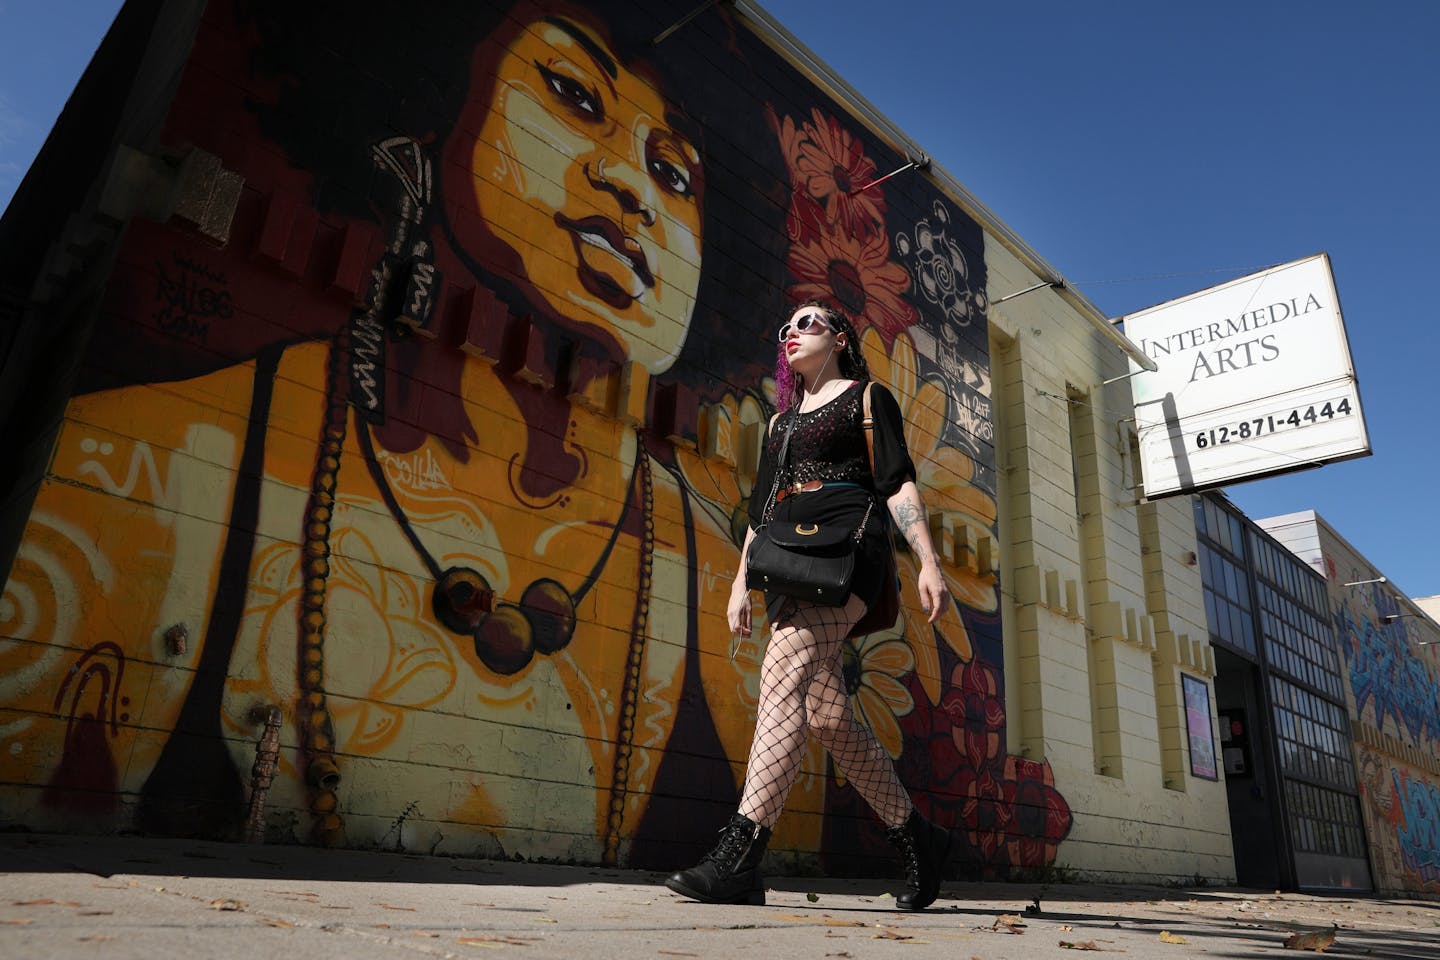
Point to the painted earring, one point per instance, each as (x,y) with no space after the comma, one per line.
(508,636)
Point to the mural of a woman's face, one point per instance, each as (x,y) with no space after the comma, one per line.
(578,170)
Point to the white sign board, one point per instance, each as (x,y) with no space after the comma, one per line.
(1254,378)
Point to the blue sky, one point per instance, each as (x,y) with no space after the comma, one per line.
(1193,143)
(1183,143)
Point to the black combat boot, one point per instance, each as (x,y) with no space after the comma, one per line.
(731,872)
(923,848)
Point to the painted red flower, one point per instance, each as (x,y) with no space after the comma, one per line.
(976,707)
(832,166)
(1040,817)
(858,277)
(986,816)
(826,166)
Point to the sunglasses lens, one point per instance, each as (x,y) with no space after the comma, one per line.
(802,325)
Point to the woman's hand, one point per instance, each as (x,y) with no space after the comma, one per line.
(739,609)
(931,585)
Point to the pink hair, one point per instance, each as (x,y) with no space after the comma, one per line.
(787,385)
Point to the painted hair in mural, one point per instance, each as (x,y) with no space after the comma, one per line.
(447,453)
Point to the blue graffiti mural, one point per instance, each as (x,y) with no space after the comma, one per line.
(1419,827)
(1386,674)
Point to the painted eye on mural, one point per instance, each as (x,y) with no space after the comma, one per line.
(671,177)
(581,99)
(670,167)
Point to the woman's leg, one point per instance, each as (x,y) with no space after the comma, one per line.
(798,648)
(852,745)
(858,754)
(799,645)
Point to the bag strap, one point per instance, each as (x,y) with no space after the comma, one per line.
(867,423)
(779,468)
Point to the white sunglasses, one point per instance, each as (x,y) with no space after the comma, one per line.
(807,323)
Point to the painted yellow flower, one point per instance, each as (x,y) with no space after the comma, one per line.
(875,668)
(730,434)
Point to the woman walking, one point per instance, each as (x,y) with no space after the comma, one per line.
(817,459)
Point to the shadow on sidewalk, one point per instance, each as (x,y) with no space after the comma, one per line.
(107,856)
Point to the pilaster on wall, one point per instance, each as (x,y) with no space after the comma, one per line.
(1173,598)
(1024,691)
(1121,688)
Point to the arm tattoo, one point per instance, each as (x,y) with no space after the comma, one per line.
(920,552)
(907,515)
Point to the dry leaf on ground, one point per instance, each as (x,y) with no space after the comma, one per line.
(1167,937)
(677,953)
(1318,940)
(46,903)
(226,904)
(387,906)
(15,923)
(887,933)
(1010,923)
(813,897)
(96,938)
(1080,945)
(284,924)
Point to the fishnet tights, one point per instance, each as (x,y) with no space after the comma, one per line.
(801,686)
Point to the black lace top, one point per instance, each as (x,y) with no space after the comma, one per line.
(829,444)
(826,444)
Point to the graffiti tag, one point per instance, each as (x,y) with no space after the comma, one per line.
(1419,832)
(190,298)
(1385,675)
(419,471)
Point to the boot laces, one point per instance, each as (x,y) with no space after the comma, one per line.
(734,841)
(909,854)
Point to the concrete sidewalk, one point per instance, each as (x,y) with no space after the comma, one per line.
(119,897)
